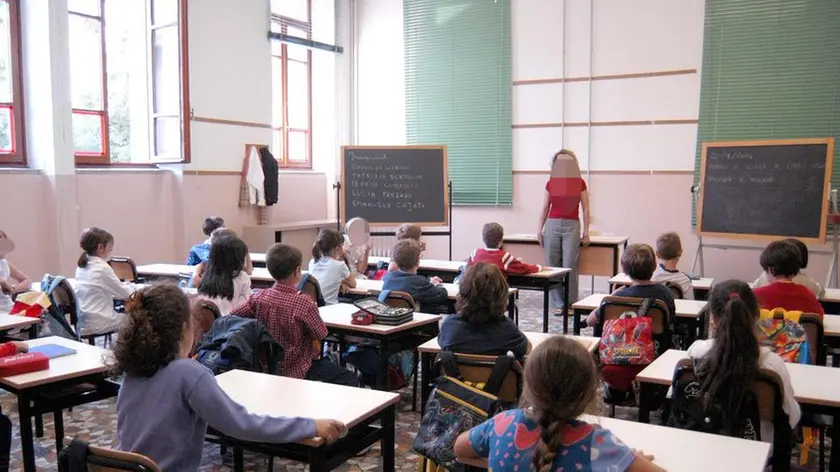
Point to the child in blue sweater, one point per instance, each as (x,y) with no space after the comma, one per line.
(424,291)
(167,400)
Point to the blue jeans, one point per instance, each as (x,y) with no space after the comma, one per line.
(561,239)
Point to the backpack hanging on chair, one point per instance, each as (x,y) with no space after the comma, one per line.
(780,330)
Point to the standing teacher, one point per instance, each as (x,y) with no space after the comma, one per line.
(560,225)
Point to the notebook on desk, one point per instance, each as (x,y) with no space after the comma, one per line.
(53,350)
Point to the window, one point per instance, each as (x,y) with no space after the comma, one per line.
(127,110)
(11,90)
(291,70)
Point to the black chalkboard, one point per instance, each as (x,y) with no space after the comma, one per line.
(389,186)
(765,188)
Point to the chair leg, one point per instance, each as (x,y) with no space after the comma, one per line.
(58,418)
(91,341)
(416,375)
(612,411)
(822,431)
(270,463)
(39,426)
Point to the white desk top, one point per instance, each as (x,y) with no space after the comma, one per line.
(601,240)
(339,316)
(676,449)
(455,267)
(685,308)
(590,343)
(8,321)
(370,287)
(87,360)
(831,326)
(260,274)
(831,295)
(282,396)
(812,385)
(703,283)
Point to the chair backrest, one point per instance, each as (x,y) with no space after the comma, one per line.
(102,459)
(310,286)
(476,369)
(397,299)
(125,268)
(184,279)
(675,289)
(768,389)
(204,314)
(65,300)
(813,326)
(613,307)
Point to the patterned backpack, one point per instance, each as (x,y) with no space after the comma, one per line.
(781,331)
(628,340)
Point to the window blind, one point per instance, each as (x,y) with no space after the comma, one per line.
(458,92)
(771,69)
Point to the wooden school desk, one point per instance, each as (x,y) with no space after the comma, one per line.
(367,288)
(688,311)
(831,331)
(545,281)
(601,258)
(12,322)
(831,300)
(391,339)
(86,366)
(274,395)
(431,348)
(259,278)
(701,286)
(814,387)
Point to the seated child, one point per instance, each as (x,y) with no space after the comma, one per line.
(639,262)
(167,400)
(357,255)
(406,256)
(669,251)
(200,252)
(247,267)
(408,231)
(328,265)
(731,357)
(560,384)
(224,281)
(12,279)
(801,278)
(493,235)
(481,325)
(97,286)
(780,260)
(293,320)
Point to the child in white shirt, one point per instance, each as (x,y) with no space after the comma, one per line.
(224,280)
(328,265)
(669,251)
(12,280)
(97,286)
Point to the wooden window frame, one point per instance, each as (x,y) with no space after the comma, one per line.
(104,156)
(17,156)
(283,158)
(183,63)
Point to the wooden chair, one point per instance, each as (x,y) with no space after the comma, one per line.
(102,459)
(476,369)
(204,314)
(676,290)
(768,391)
(310,286)
(185,279)
(400,300)
(125,268)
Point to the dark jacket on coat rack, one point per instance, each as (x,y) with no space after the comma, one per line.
(271,171)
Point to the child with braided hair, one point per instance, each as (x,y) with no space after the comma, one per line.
(561,384)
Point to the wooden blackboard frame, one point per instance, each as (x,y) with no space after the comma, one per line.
(446,203)
(829,161)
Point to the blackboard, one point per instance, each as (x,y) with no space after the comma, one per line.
(765,189)
(392,185)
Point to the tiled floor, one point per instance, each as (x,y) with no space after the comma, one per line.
(97,423)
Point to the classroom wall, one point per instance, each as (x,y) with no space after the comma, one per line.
(155,214)
(633,125)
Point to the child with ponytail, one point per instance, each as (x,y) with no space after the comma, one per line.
(730,359)
(328,265)
(167,400)
(561,384)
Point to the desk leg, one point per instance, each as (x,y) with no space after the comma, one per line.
(33,331)
(644,401)
(26,438)
(566,303)
(512,309)
(546,291)
(834,460)
(238,459)
(426,361)
(384,354)
(576,315)
(388,438)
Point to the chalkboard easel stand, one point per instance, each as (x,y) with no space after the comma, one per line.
(337,187)
(698,256)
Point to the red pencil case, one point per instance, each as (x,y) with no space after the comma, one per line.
(23,363)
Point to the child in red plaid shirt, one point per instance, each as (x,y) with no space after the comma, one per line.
(293,319)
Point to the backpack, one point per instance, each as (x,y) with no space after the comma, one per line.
(688,411)
(239,343)
(455,407)
(780,330)
(628,340)
(54,318)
